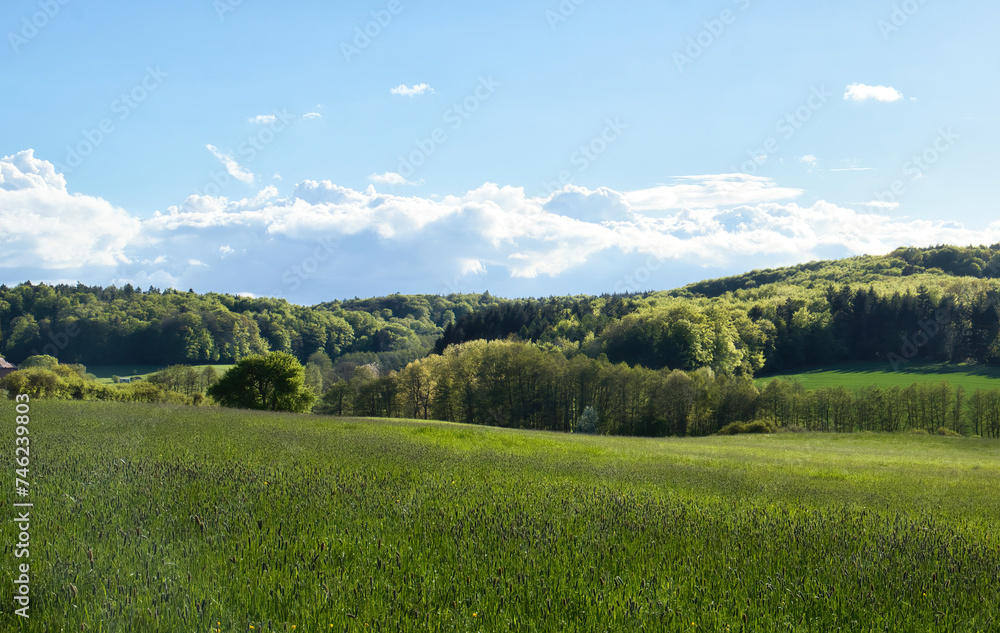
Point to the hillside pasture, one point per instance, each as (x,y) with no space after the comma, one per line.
(104,373)
(164,518)
(856,376)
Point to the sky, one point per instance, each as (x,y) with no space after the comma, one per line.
(326,150)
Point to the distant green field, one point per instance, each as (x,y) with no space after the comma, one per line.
(160,518)
(859,375)
(105,372)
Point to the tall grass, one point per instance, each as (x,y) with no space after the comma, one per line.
(156,518)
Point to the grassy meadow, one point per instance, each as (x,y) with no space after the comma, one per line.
(159,518)
(859,375)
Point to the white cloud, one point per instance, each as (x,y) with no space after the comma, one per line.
(325,236)
(709,192)
(42,225)
(471,267)
(312,115)
(262,119)
(712,219)
(403,90)
(235,169)
(862,92)
(809,159)
(392,178)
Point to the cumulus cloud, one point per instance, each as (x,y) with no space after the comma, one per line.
(312,115)
(326,241)
(809,159)
(416,90)
(862,92)
(235,170)
(44,226)
(713,218)
(471,267)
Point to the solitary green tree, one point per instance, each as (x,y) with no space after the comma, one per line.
(275,382)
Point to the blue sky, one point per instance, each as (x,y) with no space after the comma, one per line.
(328,150)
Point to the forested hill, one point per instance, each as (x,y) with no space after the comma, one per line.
(95,325)
(936,303)
(913,304)
(979,262)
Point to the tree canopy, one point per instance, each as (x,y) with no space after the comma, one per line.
(275,382)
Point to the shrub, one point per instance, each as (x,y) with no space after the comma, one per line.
(141,392)
(34,382)
(736,428)
(759,426)
(947,432)
(39,361)
(733,428)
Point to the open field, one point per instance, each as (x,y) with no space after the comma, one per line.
(859,375)
(105,372)
(155,518)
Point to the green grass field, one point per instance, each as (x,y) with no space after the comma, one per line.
(859,375)
(156,518)
(105,372)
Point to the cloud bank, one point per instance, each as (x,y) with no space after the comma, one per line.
(43,226)
(328,241)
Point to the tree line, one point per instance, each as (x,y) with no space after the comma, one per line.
(520,385)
